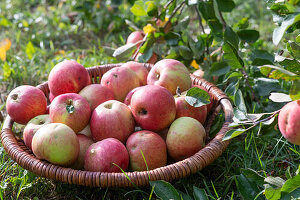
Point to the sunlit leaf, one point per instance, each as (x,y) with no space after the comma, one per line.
(139,9)
(232,57)
(295,90)
(197,97)
(276,72)
(30,50)
(279,97)
(164,190)
(233,133)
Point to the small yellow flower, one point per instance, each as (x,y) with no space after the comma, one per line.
(195,64)
(149,29)
(4,47)
(162,23)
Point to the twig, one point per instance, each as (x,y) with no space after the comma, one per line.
(222,19)
(138,49)
(199,19)
(266,119)
(173,13)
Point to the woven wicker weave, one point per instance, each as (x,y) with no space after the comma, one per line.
(24,157)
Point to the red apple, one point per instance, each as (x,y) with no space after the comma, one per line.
(129,95)
(112,119)
(120,80)
(134,37)
(153,107)
(186,136)
(96,94)
(86,131)
(289,122)
(68,76)
(170,74)
(84,143)
(24,103)
(106,156)
(56,143)
(139,69)
(153,147)
(184,109)
(51,97)
(70,109)
(199,72)
(33,126)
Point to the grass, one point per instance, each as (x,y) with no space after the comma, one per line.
(40,39)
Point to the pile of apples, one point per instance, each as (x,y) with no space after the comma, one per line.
(133,120)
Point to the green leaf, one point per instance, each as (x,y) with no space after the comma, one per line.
(146,56)
(276,72)
(139,9)
(239,101)
(272,193)
(125,51)
(30,50)
(247,189)
(151,8)
(239,115)
(231,75)
(292,195)
(164,190)
(185,52)
(291,184)
(291,65)
(295,90)
(298,38)
(231,37)
(70,108)
(287,23)
(197,48)
(294,49)
(132,25)
(207,10)
(262,57)
(276,181)
(231,56)
(197,97)
(253,176)
(243,23)
(108,50)
(233,133)
(226,5)
(249,36)
(219,68)
(232,88)
(7,71)
(279,97)
(199,193)
(264,86)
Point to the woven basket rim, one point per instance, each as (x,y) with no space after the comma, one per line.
(17,150)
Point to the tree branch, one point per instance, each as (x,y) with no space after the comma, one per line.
(199,18)
(174,13)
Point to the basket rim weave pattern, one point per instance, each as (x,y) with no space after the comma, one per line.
(17,150)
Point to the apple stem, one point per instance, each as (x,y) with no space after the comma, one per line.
(70,102)
(178,91)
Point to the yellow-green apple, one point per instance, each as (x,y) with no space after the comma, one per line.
(70,109)
(84,143)
(134,37)
(139,69)
(24,103)
(112,119)
(68,76)
(184,109)
(96,94)
(56,143)
(289,121)
(129,95)
(152,146)
(120,80)
(33,126)
(186,136)
(151,60)
(108,155)
(170,74)
(86,131)
(153,107)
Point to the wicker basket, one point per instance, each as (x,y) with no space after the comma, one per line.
(25,158)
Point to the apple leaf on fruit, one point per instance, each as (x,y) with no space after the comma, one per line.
(197,97)
(233,133)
